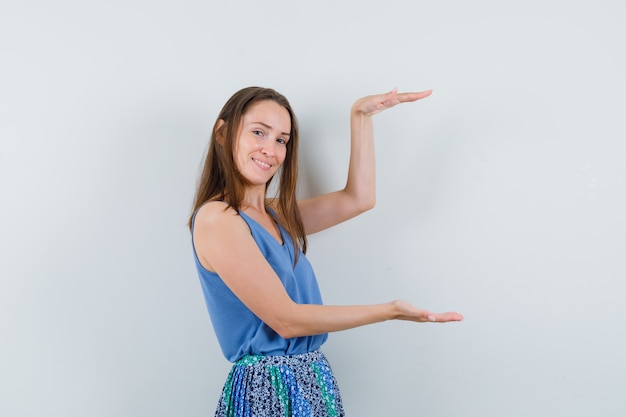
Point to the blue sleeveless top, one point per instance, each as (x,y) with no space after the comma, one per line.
(239,331)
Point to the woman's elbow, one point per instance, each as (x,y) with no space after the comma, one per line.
(285,324)
(287,334)
(366,204)
(286,330)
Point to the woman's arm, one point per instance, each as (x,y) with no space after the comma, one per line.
(359,194)
(224,244)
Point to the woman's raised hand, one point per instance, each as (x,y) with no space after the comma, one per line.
(376,103)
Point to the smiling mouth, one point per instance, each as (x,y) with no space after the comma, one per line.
(262,164)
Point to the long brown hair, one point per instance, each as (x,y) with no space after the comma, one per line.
(221,180)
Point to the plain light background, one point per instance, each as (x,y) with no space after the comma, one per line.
(502,196)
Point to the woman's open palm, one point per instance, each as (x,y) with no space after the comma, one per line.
(370,105)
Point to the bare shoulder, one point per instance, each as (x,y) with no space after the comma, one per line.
(217,220)
(215,226)
(213,213)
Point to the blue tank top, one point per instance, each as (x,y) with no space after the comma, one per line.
(239,331)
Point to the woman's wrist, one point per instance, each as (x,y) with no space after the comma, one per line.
(356,112)
(393,310)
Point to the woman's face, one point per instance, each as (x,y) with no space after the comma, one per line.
(262,143)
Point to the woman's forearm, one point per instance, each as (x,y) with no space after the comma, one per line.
(361,182)
(311,319)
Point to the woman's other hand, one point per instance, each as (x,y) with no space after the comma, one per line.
(406,311)
(370,105)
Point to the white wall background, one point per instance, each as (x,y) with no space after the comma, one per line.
(501,196)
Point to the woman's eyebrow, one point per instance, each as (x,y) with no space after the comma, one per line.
(270,127)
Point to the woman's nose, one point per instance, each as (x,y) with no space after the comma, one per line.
(268,148)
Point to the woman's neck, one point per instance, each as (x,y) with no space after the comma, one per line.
(254,199)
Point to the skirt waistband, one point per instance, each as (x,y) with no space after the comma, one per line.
(276,360)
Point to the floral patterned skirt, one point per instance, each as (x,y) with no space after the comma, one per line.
(281,386)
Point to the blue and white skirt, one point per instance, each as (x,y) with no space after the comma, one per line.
(281,386)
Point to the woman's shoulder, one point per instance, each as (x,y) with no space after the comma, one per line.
(213,212)
(216,226)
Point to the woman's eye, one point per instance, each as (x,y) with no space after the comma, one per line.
(281,141)
(257,132)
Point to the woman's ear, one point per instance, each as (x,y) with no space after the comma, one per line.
(217,130)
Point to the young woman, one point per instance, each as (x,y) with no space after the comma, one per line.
(261,292)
